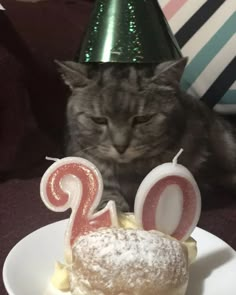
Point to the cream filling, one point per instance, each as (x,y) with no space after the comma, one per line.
(60,278)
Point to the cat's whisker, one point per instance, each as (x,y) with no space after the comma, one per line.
(98,146)
(140,147)
(89,148)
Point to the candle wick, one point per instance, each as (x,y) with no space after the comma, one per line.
(51,159)
(177,156)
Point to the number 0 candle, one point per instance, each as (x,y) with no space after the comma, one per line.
(168,200)
(76,183)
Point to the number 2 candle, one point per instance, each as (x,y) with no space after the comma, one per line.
(76,183)
(168,200)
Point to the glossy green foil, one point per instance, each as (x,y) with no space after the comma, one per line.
(128,31)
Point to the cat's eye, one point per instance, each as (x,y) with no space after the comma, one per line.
(100,120)
(142,119)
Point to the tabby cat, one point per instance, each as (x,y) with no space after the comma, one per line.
(128,118)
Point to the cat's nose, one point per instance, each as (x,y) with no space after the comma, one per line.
(120,148)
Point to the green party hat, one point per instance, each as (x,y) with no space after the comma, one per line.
(128,31)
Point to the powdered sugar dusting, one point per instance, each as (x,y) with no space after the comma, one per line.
(124,259)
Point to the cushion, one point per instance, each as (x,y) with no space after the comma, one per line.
(205,31)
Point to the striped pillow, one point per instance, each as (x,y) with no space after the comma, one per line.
(205,31)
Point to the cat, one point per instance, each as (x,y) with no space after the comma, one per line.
(128,119)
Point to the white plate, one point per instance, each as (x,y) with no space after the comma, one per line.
(29,265)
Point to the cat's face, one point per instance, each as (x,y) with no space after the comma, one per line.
(121,112)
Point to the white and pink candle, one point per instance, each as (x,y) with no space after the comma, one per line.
(168,200)
(76,183)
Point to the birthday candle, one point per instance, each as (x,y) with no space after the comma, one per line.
(168,200)
(76,183)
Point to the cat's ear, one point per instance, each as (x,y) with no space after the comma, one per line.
(74,74)
(170,70)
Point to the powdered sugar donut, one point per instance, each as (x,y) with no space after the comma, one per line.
(117,261)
